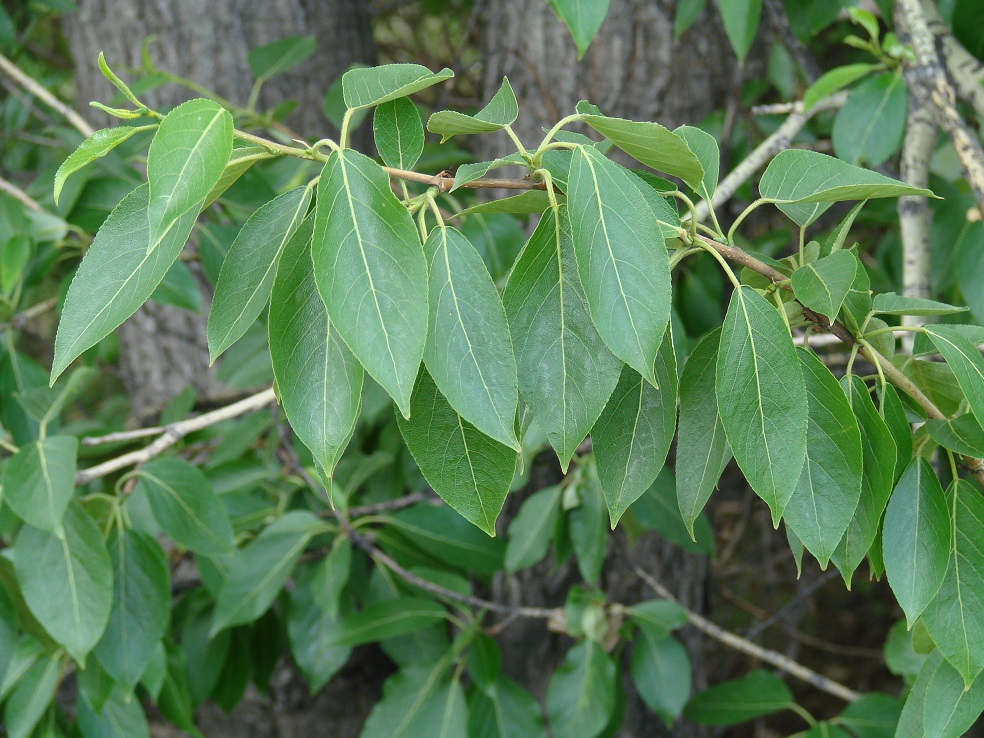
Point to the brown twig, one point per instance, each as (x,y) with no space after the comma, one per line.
(445,183)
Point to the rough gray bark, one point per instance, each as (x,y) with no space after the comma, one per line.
(163,348)
(633,69)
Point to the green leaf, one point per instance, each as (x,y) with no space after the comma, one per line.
(444,534)
(823,285)
(633,434)
(470,172)
(659,510)
(702,448)
(741,21)
(505,711)
(468,351)
(581,693)
(67,582)
(757,694)
(8,632)
(141,606)
(398,133)
(469,470)
(249,268)
(39,481)
(419,701)
(874,715)
(96,146)
(951,707)
(857,304)
(836,79)
(484,660)
(889,303)
(185,506)
(804,183)
(665,213)
(371,271)
(827,494)
(120,716)
(258,571)
(653,145)
(621,259)
(273,59)
(308,627)
(179,288)
(116,277)
(363,88)
(661,674)
(531,531)
(869,127)
(917,538)
(525,203)
(897,422)
(27,703)
(583,18)
(705,148)
(243,156)
(965,359)
(187,157)
(587,525)
(14,257)
(687,12)
(962,434)
(761,397)
(911,721)
(331,575)
(501,111)
(658,617)
(318,379)
(877,479)
(499,238)
(385,619)
(955,617)
(566,373)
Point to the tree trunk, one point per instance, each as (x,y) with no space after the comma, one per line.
(633,69)
(163,348)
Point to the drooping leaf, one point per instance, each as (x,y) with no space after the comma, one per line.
(702,448)
(116,277)
(331,575)
(371,271)
(258,571)
(469,470)
(505,711)
(468,352)
(525,203)
(687,12)
(96,146)
(951,706)
(834,80)
(498,238)
(34,692)
(398,133)
(889,303)
(633,434)
(659,510)
(502,110)
(365,87)
(185,506)
(249,268)
(532,529)
(803,184)
(581,693)
(911,721)
(443,533)
(120,716)
(898,424)
(67,582)
(419,701)
(827,494)
(273,59)
(869,126)
(308,626)
(705,148)
(917,538)
(962,434)
(877,480)
(621,259)
(965,359)
(583,18)
(653,145)
(661,674)
(190,150)
(141,607)
(588,534)
(761,398)
(484,660)
(741,21)
(39,481)
(566,373)
(318,378)
(874,715)
(823,285)
(955,617)
(757,694)
(385,619)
